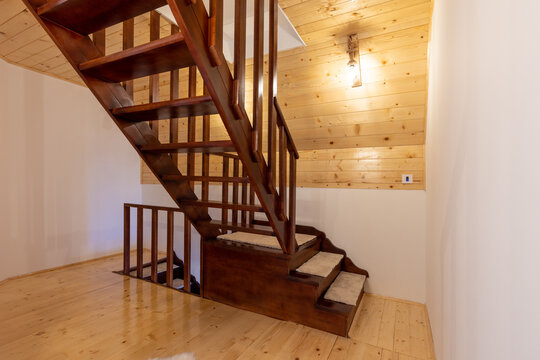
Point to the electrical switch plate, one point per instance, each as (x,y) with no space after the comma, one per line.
(407,178)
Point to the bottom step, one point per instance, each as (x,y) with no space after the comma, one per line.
(346,288)
(263,282)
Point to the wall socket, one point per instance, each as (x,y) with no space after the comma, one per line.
(406,179)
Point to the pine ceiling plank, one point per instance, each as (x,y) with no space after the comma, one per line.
(15,25)
(360,14)
(10,9)
(373,26)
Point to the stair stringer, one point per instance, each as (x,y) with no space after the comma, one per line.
(79,48)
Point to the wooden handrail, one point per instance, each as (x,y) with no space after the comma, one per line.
(170,259)
(283,123)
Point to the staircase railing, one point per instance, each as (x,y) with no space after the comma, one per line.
(280,158)
(171,259)
(270,168)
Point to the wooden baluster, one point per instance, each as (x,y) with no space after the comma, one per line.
(99,40)
(236,172)
(170,247)
(292,205)
(174,94)
(139,242)
(239,56)
(251,202)
(128,41)
(205,156)
(258,73)
(244,196)
(225,192)
(215,31)
(192,92)
(187,254)
(153,85)
(201,267)
(272,90)
(127,238)
(154,245)
(282,172)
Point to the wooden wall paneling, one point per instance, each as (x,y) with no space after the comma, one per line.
(375,132)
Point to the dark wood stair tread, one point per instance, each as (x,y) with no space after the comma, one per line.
(169,53)
(171,109)
(88,16)
(221,205)
(215,179)
(190,147)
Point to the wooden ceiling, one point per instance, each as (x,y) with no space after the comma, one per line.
(350,137)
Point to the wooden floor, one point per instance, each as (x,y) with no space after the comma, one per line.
(86,312)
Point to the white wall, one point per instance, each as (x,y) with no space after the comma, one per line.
(382,231)
(66,170)
(483,198)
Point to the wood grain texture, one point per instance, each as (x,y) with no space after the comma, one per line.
(384,120)
(84,310)
(324,113)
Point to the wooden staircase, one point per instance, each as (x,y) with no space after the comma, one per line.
(248,276)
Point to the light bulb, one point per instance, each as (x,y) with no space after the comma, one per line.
(352,71)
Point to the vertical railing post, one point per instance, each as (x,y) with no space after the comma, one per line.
(127,238)
(187,254)
(140,242)
(99,40)
(292,205)
(239,56)
(174,94)
(153,85)
(128,41)
(251,202)
(272,90)
(243,218)
(154,246)
(258,79)
(215,31)
(205,156)
(170,247)
(192,92)
(282,172)
(201,267)
(236,173)
(225,192)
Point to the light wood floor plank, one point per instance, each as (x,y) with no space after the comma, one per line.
(388,321)
(85,311)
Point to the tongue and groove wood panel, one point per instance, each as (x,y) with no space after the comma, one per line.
(364,137)
(324,114)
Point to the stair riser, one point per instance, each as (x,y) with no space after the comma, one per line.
(259,283)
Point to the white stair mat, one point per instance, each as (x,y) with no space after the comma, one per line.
(321,264)
(346,288)
(263,240)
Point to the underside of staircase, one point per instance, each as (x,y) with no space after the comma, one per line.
(274,267)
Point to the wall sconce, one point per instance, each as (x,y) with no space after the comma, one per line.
(353,66)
